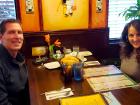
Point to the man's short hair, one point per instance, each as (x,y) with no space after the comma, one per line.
(4,22)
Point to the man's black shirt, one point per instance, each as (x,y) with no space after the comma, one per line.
(13,79)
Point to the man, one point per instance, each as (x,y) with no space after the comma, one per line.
(13,71)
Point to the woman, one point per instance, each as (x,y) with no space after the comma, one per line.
(130,52)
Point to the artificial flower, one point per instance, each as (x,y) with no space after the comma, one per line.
(47,39)
(52,46)
(57,43)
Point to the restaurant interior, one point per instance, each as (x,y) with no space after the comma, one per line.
(85,25)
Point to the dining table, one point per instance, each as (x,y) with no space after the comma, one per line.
(45,80)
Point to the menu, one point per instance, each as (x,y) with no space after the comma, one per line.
(100,71)
(111,82)
(111,99)
(95,99)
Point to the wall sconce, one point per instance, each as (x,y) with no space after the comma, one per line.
(29,6)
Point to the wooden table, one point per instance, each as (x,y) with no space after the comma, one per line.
(41,81)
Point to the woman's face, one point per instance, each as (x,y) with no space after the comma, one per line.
(134,37)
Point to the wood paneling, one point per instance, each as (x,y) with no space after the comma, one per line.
(95,40)
(99,19)
(30,22)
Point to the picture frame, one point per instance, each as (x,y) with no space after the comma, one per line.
(29,6)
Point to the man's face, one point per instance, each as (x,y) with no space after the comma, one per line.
(12,39)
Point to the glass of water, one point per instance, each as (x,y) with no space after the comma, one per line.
(76,49)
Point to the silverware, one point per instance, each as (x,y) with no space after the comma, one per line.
(57,92)
(60,95)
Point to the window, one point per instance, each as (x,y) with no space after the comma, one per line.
(116,23)
(7,9)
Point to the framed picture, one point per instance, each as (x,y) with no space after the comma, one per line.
(29,6)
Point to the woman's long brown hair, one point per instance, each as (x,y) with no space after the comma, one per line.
(128,48)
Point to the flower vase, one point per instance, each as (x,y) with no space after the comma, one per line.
(51,50)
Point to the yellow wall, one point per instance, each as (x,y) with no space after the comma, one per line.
(54,18)
(30,22)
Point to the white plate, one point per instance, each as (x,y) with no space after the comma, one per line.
(52,65)
(85,53)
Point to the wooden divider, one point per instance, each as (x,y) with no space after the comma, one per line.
(95,40)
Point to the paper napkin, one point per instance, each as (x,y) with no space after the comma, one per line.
(58,94)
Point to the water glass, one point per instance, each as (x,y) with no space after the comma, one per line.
(75,49)
(78,71)
(67,51)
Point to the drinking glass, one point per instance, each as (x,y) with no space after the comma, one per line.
(67,72)
(67,51)
(78,71)
(76,49)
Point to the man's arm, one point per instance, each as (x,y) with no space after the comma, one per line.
(3,90)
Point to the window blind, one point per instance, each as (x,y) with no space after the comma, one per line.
(116,23)
(7,9)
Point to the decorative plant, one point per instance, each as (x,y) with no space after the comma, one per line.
(133,12)
(56,43)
